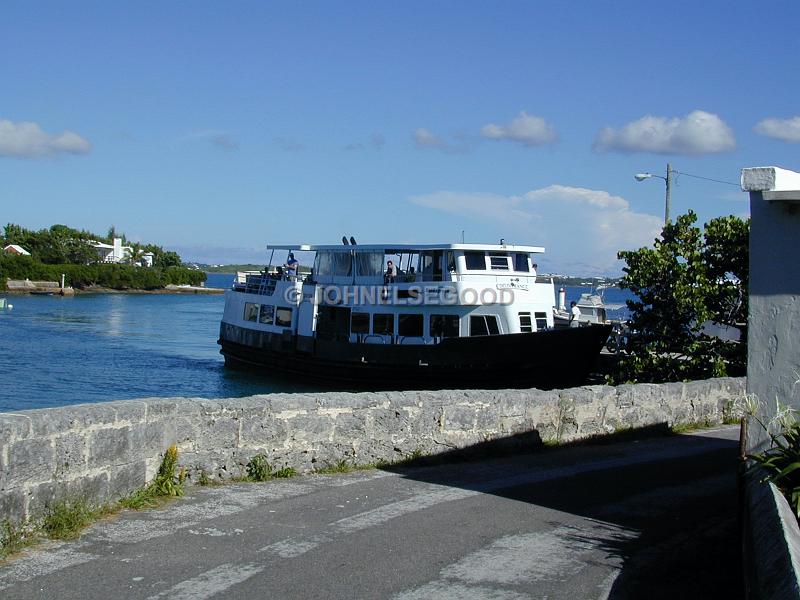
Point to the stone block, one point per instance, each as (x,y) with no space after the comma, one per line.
(311,427)
(13,506)
(14,426)
(129,411)
(30,461)
(164,408)
(71,452)
(94,489)
(217,432)
(124,479)
(79,417)
(263,432)
(112,446)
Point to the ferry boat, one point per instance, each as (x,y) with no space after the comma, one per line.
(442,315)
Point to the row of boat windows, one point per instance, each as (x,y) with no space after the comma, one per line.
(374,263)
(268,314)
(411,324)
(408,324)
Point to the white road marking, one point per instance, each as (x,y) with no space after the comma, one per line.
(210,583)
(41,563)
(514,563)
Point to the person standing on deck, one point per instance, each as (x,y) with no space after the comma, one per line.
(574,315)
(291,267)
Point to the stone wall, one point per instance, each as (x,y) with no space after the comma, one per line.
(104,451)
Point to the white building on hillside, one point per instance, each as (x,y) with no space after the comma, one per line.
(112,253)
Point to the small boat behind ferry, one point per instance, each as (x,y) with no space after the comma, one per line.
(406,316)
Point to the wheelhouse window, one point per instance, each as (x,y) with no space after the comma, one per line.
(483,325)
(369,264)
(359,322)
(383,324)
(267,314)
(521,262)
(541,320)
(250,311)
(525,324)
(498,261)
(444,325)
(474,260)
(283,317)
(342,263)
(410,325)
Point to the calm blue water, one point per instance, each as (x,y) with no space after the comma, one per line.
(97,347)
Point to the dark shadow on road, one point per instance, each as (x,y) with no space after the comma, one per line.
(678,511)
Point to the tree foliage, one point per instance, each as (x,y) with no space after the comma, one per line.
(690,278)
(113,276)
(61,249)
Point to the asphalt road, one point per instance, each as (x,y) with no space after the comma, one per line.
(654,518)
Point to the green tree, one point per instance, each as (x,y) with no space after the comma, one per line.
(688,279)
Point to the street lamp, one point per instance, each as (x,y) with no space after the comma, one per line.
(668,181)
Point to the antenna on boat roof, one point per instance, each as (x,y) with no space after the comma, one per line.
(462,236)
(344,240)
(352,241)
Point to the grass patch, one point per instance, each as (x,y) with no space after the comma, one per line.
(693,426)
(66,518)
(14,538)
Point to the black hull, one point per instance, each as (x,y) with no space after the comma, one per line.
(545,359)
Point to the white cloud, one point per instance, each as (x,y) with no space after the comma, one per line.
(27,140)
(697,133)
(425,139)
(581,229)
(526,129)
(787,130)
(220,139)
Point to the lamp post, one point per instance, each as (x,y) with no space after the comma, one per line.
(668,181)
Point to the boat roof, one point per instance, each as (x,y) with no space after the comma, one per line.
(391,248)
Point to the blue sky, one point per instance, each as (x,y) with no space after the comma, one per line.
(215,128)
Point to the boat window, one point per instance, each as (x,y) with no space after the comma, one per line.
(250,311)
(525,325)
(521,262)
(342,263)
(369,263)
(451,261)
(475,261)
(283,317)
(267,314)
(498,261)
(444,325)
(483,325)
(359,322)
(323,264)
(410,325)
(541,320)
(383,324)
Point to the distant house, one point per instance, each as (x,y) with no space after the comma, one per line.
(117,253)
(112,253)
(15,249)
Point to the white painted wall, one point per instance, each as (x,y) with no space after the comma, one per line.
(773,361)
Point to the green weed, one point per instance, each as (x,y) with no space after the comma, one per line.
(258,469)
(13,538)
(66,518)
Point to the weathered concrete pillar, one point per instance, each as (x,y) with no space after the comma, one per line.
(773,361)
